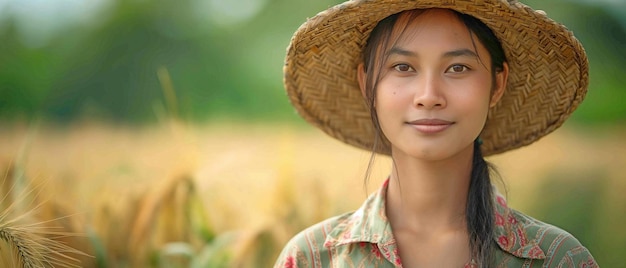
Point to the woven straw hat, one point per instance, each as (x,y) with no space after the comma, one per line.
(548,75)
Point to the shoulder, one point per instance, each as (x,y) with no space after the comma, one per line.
(561,249)
(307,249)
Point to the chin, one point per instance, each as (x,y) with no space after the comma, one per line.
(432,156)
(422,153)
(431,153)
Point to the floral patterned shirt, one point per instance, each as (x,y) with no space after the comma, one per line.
(364,239)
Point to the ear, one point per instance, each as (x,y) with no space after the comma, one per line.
(500,86)
(360,73)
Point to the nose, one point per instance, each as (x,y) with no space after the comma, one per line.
(428,93)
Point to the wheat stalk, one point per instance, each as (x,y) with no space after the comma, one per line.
(26,241)
(30,247)
(170,212)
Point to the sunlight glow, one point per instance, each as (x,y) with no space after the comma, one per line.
(226,13)
(38,20)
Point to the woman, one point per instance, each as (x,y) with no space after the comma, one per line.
(436,85)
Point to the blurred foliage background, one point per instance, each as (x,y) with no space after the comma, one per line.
(69,59)
(134,62)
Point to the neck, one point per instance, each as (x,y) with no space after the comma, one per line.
(429,195)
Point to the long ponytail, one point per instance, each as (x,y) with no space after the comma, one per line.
(480,211)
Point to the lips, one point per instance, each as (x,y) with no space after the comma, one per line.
(430,122)
(430,126)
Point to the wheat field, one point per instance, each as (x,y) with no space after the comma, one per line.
(231,194)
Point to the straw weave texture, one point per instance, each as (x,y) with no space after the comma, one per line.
(548,70)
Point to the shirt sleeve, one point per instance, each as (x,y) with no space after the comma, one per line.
(578,257)
(307,249)
(288,259)
(567,251)
(294,254)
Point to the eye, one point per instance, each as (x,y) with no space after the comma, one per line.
(457,68)
(403,68)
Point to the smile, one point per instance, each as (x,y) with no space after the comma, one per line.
(430,126)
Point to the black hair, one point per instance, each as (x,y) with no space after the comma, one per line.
(480,199)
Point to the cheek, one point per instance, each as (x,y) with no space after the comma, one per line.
(389,108)
(475,108)
(393,93)
(476,94)
(391,105)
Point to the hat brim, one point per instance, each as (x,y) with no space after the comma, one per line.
(548,66)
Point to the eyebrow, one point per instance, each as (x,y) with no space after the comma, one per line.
(450,54)
(401,52)
(459,53)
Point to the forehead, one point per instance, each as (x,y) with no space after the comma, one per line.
(433,29)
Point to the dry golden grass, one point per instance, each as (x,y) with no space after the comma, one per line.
(32,232)
(176,195)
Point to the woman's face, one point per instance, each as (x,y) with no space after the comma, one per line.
(436,88)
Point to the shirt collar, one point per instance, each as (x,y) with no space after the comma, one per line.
(515,234)
(370,224)
(367,224)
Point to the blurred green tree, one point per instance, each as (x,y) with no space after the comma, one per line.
(224,60)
